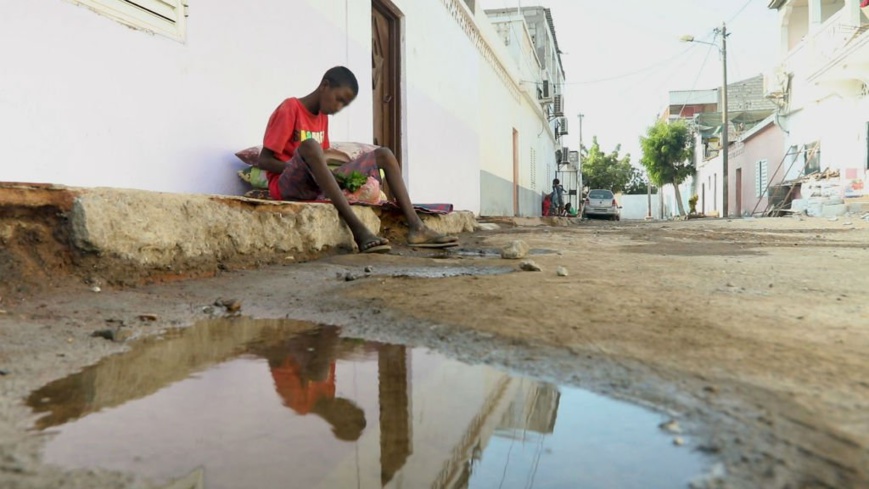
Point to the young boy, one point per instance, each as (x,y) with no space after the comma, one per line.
(557,198)
(292,155)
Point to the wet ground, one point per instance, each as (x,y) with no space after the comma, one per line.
(752,335)
(268,404)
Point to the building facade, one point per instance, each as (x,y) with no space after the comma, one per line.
(820,87)
(159,95)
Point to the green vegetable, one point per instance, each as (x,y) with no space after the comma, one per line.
(351,182)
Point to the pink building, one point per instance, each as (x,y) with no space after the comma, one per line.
(756,165)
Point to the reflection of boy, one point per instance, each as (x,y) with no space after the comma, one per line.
(304,374)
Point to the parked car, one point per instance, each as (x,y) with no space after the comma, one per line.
(601,203)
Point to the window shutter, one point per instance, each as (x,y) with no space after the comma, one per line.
(165,9)
(164,17)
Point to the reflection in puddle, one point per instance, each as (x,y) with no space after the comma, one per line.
(262,403)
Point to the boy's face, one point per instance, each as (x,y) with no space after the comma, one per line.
(333,99)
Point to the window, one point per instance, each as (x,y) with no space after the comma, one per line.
(813,158)
(761,177)
(533,169)
(163,17)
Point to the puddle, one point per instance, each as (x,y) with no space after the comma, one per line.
(443,272)
(268,404)
(494,252)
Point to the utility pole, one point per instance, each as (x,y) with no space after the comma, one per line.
(725,131)
(579,169)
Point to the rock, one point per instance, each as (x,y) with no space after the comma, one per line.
(148,317)
(3,373)
(847,223)
(369,269)
(208,310)
(487,226)
(231,305)
(515,250)
(678,441)
(3,311)
(561,272)
(349,277)
(118,335)
(671,426)
(95,288)
(715,479)
(834,218)
(530,266)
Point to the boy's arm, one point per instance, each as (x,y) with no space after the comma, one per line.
(268,162)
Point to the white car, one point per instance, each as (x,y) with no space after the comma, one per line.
(601,203)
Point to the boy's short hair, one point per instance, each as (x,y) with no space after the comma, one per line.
(555,182)
(341,76)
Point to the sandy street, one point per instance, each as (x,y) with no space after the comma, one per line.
(753,334)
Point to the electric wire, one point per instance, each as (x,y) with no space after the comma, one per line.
(697,79)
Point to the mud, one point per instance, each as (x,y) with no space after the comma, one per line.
(752,334)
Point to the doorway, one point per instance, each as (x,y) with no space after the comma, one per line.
(386,74)
(739,191)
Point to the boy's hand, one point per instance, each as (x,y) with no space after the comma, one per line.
(268,162)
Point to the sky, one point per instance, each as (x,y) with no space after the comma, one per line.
(609,40)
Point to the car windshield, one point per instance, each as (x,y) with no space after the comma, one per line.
(600,194)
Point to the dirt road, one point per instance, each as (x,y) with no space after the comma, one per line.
(754,334)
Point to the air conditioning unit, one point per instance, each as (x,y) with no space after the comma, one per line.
(574,159)
(558,106)
(565,156)
(545,91)
(562,125)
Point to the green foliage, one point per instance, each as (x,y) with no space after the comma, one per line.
(608,171)
(668,153)
(639,184)
(352,181)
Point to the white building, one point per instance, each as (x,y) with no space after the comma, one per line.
(156,95)
(821,86)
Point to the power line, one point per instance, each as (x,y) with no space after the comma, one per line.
(697,79)
(739,12)
(659,64)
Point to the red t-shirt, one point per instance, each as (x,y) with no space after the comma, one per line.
(290,124)
(298,393)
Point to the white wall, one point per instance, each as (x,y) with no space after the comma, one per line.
(709,174)
(637,206)
(86,101)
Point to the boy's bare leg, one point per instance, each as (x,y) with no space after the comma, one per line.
(418,232)
(312,153)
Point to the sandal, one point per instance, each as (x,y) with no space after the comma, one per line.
(376,245)
(436,241)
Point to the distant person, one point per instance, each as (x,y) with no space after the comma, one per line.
(557,198)
(547,204)
(292,155)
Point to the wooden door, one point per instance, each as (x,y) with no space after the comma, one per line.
(386,75)
(739,191)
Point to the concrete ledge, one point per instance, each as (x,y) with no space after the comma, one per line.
(124,236)
(163,230)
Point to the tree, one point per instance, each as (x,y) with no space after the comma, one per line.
(639,183)
(606,170)
(668,155)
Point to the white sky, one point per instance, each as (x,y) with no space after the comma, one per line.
(603,39)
